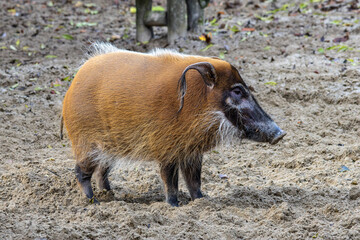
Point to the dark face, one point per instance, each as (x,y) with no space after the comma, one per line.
(244,112)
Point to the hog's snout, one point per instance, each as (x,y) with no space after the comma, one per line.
(267,131)
(278,136)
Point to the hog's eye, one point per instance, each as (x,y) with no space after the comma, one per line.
(237,91)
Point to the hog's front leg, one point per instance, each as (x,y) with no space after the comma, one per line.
(191,171)
(83,176)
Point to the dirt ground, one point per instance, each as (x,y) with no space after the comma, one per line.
(303,62)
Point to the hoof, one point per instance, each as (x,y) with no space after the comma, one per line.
(173,201)
(93,200)
(174,204)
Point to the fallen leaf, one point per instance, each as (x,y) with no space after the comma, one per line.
(207,47)
(219,14)
(336,22)
(90,5)
(12,11)
(248,29)
(235,29)
(157,9)
(125,36)
(133,10)
(67,37)
(283,8)
(271,83)
(340,48)
(206,37)
(303,5)
(56,83)
(85,24)
(78,4)
(213,22)
(265,19)
(114,37)
(222,55)
(14,86)
(352,61)
(50,56)
(92,12)
(341,39)
(66,79)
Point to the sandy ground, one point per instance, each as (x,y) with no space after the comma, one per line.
(305,187)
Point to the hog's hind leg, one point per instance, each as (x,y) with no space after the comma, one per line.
(102,179)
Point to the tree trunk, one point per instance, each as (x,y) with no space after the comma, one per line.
(155,19)
(177,22)
(143,32)
(195,16)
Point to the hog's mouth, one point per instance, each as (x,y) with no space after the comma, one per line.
(272,134)
(280,135)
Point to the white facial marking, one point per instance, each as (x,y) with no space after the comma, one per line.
(229,101)
(226,132)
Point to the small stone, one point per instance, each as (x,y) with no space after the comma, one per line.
(223,176)
(354,182)
(344,168)
(354,193)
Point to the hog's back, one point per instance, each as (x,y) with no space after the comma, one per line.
(119,99)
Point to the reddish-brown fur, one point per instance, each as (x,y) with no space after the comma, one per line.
(126,104)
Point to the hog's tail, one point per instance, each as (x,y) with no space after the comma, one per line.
(61,127)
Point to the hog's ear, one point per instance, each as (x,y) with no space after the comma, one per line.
(207,72)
